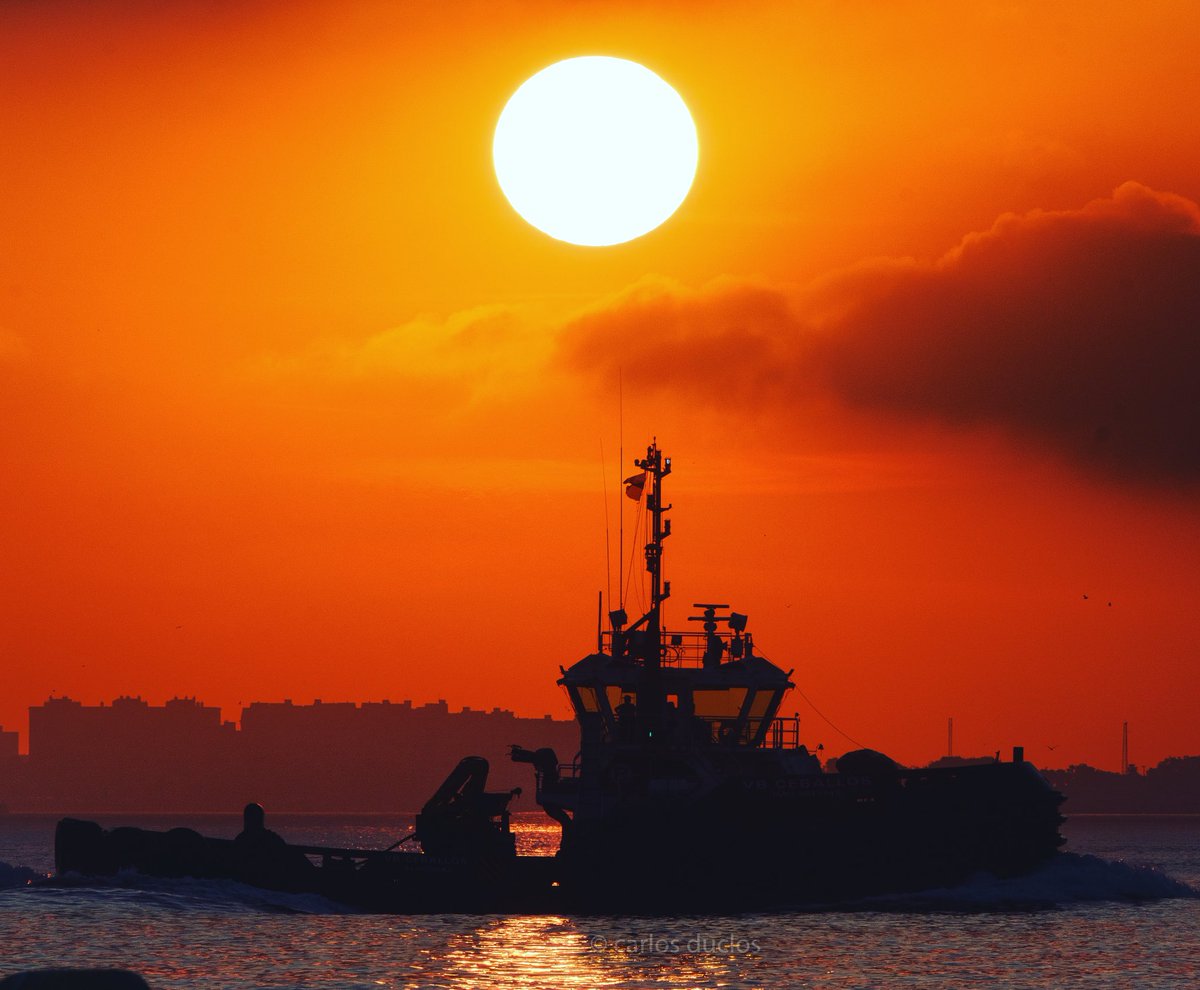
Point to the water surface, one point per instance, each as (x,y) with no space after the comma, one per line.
(1108,915)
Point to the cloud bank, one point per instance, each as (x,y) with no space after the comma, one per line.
(1074,330)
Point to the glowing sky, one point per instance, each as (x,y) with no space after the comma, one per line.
(293,404)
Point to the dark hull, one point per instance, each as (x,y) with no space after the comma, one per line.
(384,882)
(824,839)
(752,844)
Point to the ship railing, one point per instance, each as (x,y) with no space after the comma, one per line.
(688,649)
(568,771)
(783,733)
(780,733)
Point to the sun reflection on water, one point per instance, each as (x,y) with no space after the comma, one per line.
(550,951)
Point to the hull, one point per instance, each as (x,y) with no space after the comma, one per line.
(384,882)
(751,843)
(808,840)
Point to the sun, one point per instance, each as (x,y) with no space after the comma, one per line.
(595,150)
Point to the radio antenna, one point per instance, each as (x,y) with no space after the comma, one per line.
(620,467)
(607,525)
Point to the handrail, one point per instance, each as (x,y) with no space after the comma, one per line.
(687,649)
(784,733)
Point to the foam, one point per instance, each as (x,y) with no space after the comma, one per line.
(1069,878)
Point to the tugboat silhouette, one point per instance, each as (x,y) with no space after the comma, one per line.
(689,792)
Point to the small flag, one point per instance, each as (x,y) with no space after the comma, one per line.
(634,485)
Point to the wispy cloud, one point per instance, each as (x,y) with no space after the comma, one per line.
(469,355)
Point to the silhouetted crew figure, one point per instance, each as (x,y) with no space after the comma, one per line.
(671,721)
(626,713)
(254,829)
(265,859)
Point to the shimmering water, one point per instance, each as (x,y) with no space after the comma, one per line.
(1109,915)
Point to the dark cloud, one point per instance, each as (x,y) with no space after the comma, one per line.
(721,344)
(1078,330)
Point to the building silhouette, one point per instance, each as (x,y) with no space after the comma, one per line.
(10,764)
(133,757)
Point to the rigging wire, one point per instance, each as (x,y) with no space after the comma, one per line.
(637,526)
(831,724)
(819,712)
(620,467)
(607,527)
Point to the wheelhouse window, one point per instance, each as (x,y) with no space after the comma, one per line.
(617,695)
(724,703)
(585,700)
(720,709)
(762,708)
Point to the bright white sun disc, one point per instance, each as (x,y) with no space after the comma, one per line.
(595,150)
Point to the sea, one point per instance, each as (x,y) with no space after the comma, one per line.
(1120,908)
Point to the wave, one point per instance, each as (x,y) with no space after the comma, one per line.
(186,894)
(1069,878)
(18,876)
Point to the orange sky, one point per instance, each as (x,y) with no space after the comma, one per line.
(294,405)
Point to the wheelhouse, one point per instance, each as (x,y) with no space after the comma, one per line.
(649,685)
(733,704)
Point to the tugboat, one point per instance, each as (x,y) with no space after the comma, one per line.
(689,792)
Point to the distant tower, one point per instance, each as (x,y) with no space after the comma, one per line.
(950,736)
(1124,747)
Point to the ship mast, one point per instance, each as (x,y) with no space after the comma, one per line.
(643,639)
(658,467)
